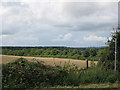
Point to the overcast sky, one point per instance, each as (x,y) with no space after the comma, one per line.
(72,24)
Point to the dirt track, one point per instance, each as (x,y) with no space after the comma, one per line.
(48,61)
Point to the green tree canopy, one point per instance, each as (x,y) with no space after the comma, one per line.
(86,53)
(111,43)
(93,52)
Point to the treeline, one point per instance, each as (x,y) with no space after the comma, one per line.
(78,53)
(39,47)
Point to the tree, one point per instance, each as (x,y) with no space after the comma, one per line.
(111,43)
(86,53)
(92,52)
(109,55)
(102,54)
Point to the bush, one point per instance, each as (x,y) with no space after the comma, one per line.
(111,78)
(24,74)
(97,75)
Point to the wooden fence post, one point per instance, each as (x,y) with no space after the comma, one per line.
(86,63)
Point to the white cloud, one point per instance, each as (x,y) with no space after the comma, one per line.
(31,1)
(65,37)
(3,10)
(95,38)
(3,35)
(50,19)
(110,38)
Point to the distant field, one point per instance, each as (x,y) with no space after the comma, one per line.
(48,61)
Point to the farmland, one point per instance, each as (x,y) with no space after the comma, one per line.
(35,67)
(24,67)
(48,61)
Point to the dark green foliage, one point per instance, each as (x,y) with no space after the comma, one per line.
(98,75)
(111,78)
(108,54)
(54,52)
(24,74)
(93,52)
(111,43)
(86,53)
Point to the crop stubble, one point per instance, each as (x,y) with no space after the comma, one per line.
(48,61)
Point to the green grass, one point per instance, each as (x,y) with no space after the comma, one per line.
(102,85)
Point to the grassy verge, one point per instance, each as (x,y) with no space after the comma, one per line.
(102,85)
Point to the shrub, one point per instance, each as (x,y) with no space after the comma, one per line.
(24,74)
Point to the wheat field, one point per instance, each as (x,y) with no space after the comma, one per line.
(48,61)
